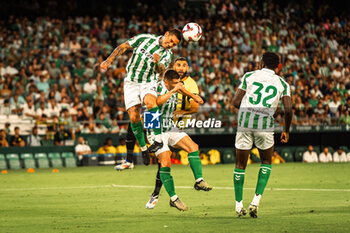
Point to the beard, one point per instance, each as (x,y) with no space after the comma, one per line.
(183,75)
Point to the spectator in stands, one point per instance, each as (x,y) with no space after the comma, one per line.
(7,128)
(62,136)
(5,109)
(115,127)
(66,119)
(121,148)
(348,156)
(310,156)
(34,139)
(276,158)
(107,147)
(100,128)
(85,129)
(17,139)
(82,149)
(313,47)
(90,87)
(339,156)
(16,104)
(42,111)
(3,141)
(326,156)
(29,110)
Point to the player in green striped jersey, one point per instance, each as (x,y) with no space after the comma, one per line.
(151,56)
(257,98)
(172,136)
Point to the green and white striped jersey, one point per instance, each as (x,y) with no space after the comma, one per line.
(141,67)
(167,108)
(264,89)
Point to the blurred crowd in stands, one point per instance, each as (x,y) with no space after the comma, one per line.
(47,71)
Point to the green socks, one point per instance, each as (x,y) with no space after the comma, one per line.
(167,180)
(156,131)
(238,180)
(195,164)
(137,129)
(264,174)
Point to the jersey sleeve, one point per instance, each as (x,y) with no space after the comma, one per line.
(243,84)
(193,88)
(286,88)
(166,59)
(137,40)
(159,88)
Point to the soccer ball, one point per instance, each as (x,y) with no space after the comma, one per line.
(192,32)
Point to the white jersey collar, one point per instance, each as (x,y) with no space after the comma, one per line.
(158,38)
(268,70)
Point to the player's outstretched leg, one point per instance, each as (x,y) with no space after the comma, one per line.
(191,147)
(155,195)
(158,143)
(130,144)
(264,174)
(168,181)
(137,129)
(238,180)
(150,101)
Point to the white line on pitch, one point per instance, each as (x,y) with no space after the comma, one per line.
(178,187)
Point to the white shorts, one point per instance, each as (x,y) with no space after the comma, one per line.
(262,140)
(170,138)
(134,92)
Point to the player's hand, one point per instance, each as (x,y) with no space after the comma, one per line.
(198,99)
(156,58)
(177,87)
(284,137)
(104,66)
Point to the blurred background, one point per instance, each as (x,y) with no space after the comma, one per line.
(48,49)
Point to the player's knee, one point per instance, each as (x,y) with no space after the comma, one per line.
(134,118)
(150,101)
(193,147)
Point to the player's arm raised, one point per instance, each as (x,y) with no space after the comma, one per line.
(162,62)
(159,67)
(164,98)
(288,114)
(196,98)
(116,52)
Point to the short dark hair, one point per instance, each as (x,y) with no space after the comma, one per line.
(271,60)
(171,74)
(180,59)
(176,32)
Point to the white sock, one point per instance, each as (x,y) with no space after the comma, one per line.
(144,148)
(239,204)
(173,198)
(199,179)
(256,199)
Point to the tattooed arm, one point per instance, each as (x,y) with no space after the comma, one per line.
(159,67)
(118,51)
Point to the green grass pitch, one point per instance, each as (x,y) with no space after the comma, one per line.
(298,198)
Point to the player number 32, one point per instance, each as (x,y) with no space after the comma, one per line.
(267,90)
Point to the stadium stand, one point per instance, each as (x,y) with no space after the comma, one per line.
(46,64)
